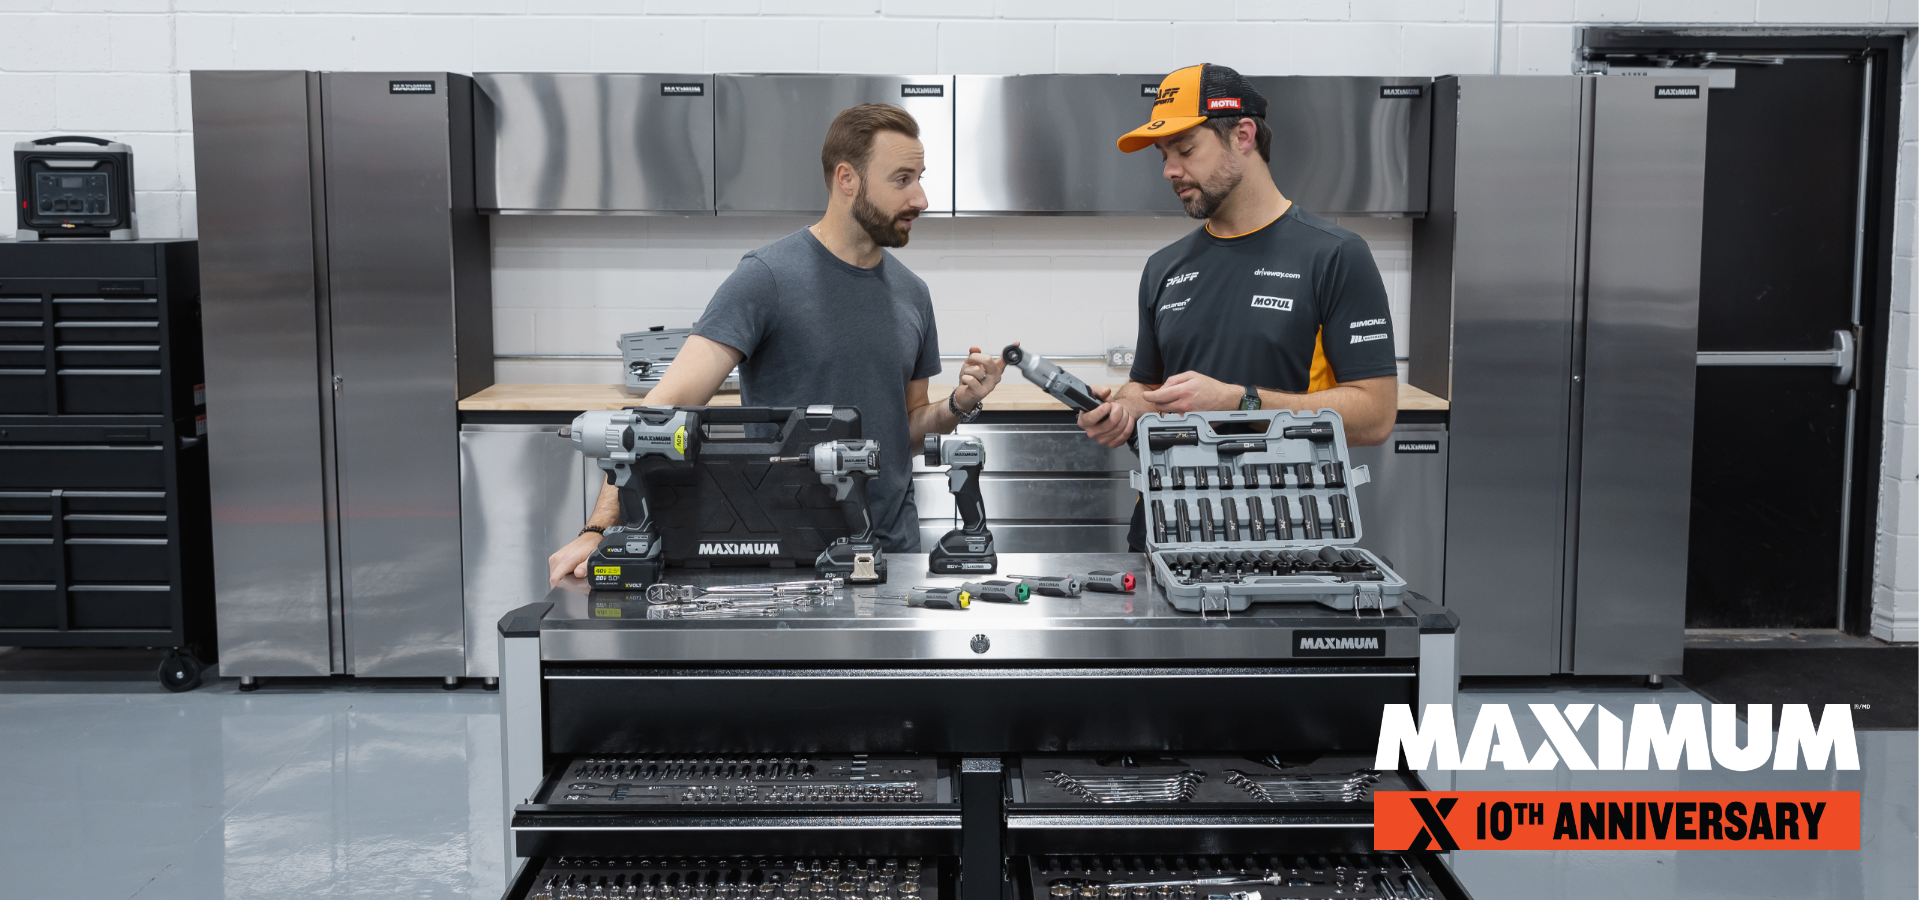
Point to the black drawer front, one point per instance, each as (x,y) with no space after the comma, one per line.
(27,559)
(110,391)
(118,560)
(746,876)
(23,390)
(120,607)
(28,606)
(83,466)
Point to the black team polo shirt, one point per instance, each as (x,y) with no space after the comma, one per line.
(1253,309)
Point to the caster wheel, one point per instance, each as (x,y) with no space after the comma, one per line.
(249,684)
(179,672)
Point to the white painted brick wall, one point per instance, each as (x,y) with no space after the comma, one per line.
(116,68)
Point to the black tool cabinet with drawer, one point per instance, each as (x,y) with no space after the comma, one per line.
(104,507)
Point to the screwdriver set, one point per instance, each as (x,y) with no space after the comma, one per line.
(735,878)
(786,781)
(1248,506)
(1385,876)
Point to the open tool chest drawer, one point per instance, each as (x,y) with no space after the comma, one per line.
(743,804)
(1207,827)
(735,877)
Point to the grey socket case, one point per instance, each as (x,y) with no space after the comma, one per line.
(1267,427)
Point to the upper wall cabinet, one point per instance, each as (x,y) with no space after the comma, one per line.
(579,144)
(768,131)
(1044,144)
(1350,145)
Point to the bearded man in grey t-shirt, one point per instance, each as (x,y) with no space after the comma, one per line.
(827,316)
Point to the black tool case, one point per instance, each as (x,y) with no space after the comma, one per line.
(733,507)
(1222,467)
(105,524)
(1285,825)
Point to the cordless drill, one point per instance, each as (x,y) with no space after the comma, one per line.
(1052,379)
(629,445)
(969,548)
(845,466)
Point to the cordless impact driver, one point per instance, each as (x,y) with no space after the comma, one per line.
(967,550)
(629,445)
(845,466)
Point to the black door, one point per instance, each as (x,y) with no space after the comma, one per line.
(1774,415)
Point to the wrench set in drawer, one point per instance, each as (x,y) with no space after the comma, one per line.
(760,780)
(1257,506)
(744,877)
(1274,876)
(1123,781)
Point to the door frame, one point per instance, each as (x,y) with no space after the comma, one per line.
(1885,48)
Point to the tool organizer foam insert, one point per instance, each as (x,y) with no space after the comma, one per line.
(1233,498)
(743,877)
(1273,876)
(789,782)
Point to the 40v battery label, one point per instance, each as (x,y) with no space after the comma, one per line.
(1616,820)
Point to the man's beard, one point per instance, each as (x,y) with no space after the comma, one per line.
(1207,197)
(879,226)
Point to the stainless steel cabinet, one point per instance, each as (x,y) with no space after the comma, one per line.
(520,500)
(1345,145)
(768,130)
(1555,304)
(1404,509)
(583,144)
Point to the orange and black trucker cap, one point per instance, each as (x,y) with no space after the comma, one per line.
(1191,96)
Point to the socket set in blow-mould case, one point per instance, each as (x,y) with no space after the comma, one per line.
(1255,506)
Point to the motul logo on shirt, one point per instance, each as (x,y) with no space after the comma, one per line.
(1283,304)
(1224,103)
(766,549)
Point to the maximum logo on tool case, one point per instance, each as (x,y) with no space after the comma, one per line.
(1416,446)
(682,89)
(923,90)
(1676,91)
(1399,91)
(717,548)
(410,87)
(1357,642)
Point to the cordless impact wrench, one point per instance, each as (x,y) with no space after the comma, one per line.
(629,445)
(845,466)
(967,550)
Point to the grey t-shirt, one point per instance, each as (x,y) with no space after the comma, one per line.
(817,330)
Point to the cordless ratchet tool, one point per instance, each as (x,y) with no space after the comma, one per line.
(1052,379)
(845,466)
(630,445)
(967,550)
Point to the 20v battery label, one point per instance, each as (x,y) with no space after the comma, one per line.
(1616,820)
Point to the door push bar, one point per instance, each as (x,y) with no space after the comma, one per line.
(1840,358)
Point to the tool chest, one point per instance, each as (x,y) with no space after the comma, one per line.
(105,518)
(859,876)
(1251,506)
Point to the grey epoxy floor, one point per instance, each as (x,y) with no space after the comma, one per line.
(120,790)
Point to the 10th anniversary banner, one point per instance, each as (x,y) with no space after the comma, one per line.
(1616,820)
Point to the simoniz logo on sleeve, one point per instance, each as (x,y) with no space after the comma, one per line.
(1224,103)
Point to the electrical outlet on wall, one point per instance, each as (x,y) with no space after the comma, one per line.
(1120,358)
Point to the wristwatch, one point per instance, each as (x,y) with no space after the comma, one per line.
(1252,398)
(595,529)
(964,416)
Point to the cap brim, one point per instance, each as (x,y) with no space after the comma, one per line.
(1144,136)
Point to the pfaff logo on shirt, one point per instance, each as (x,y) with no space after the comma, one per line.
(1363,338)
(1283,304)
(1276,274)
(1182,278)
(1224,103)
(1363,323)
(1175,307)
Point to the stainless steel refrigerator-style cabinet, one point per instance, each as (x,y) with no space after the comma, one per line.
(346,310)
(1556,286)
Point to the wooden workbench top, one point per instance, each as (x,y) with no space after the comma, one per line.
(1009,397)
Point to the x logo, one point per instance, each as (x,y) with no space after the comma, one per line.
(1436,822)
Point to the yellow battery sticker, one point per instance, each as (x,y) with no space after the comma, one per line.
(606,570)
(607,612)
(680,439)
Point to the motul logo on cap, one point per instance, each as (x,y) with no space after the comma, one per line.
(1224,103)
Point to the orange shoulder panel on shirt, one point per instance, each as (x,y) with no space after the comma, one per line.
(1320,377)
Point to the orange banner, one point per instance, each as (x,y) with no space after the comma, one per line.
(1616,820)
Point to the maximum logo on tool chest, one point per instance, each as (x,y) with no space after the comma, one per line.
(1352,642)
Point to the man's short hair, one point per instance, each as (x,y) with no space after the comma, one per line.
(1262,135)
(850,137)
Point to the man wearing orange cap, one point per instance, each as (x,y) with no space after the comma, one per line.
(1266,306)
